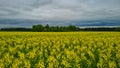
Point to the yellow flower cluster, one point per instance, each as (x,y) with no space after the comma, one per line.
(59,50)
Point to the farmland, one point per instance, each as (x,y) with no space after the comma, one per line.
(60,49)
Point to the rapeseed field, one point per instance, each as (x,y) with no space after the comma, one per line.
(59,50)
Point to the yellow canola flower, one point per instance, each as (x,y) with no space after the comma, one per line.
(60,49)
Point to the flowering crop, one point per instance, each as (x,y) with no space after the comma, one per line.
(59,50)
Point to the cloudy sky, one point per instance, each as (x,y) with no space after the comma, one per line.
(80,12)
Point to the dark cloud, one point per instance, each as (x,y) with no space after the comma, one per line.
(60,10)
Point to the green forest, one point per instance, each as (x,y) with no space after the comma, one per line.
(69,28)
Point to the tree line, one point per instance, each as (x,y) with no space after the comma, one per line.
(47,28)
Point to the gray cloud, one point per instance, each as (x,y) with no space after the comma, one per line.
(60,10)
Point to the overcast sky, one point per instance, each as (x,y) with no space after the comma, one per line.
(60,10)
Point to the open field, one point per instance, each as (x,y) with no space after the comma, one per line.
(60,49)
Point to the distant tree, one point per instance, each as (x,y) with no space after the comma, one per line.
(57,29)
(52,28)
(15,29)
(117,29)
(72,28)
(46,28)
(39,28)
